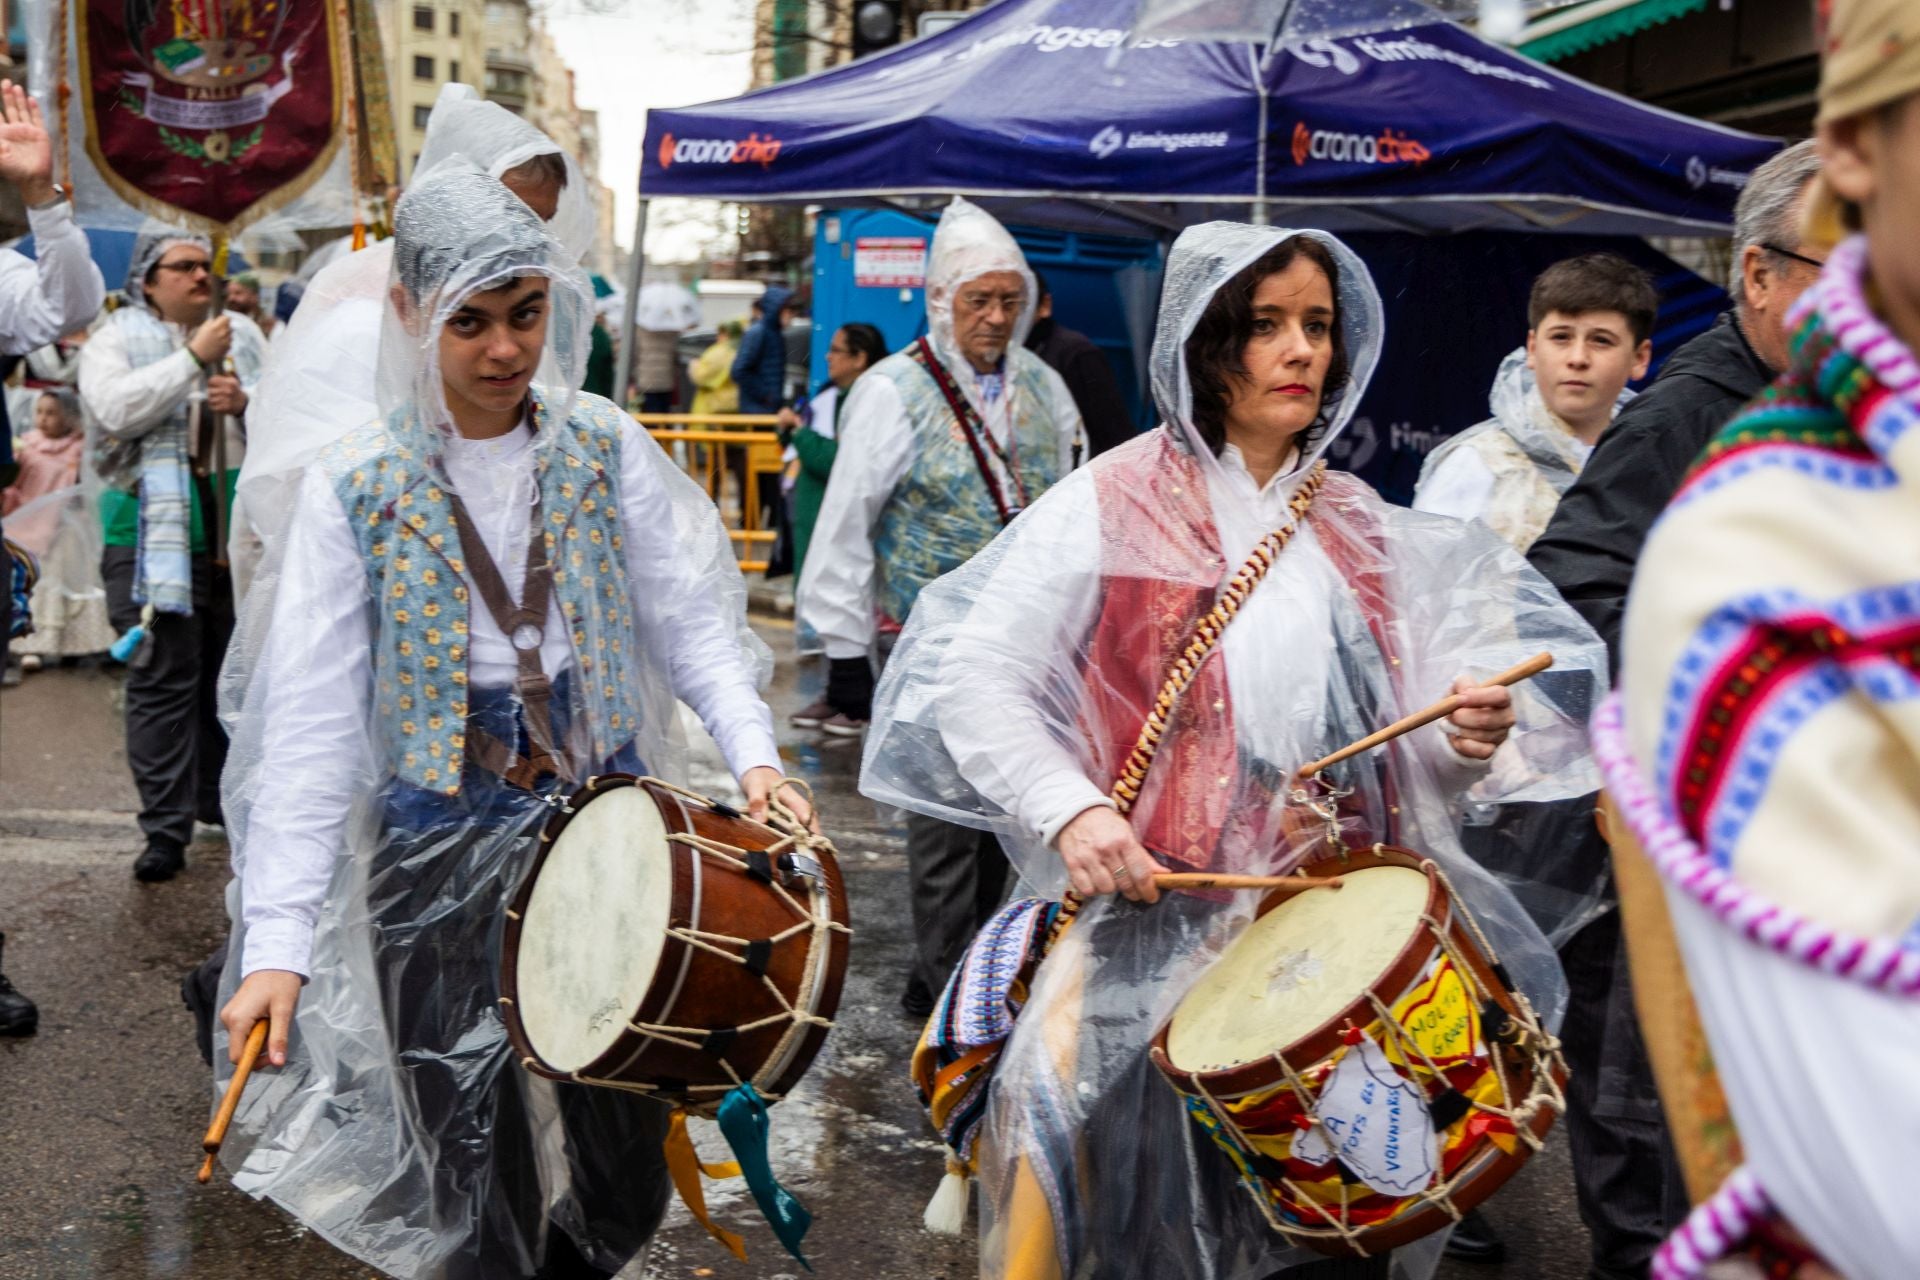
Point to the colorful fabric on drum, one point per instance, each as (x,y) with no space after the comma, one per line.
(404,524)
(1772,646)
(953,1063)
(1436,1021)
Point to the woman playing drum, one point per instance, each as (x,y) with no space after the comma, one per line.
(1022,682)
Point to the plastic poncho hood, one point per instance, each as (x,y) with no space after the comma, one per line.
(149,247)
(459,233)
(464,126)
(1204,259)
(969,243)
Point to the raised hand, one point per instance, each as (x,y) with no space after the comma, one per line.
(26,152)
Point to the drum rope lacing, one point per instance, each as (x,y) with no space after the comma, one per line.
(1532,1038)
(795,835)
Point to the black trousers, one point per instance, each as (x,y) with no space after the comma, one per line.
(439,967)
(958,875)
(1627,1180)
(175,745)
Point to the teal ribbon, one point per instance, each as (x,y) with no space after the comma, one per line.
(743,1123)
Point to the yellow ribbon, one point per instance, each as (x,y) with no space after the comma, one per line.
(686,1166)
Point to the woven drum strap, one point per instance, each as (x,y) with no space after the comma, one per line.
(1206,634)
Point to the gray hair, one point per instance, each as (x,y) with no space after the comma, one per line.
(1769,209)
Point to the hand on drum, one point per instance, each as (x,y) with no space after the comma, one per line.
(1483,720)
(265,993)
(1103,855)
(759,783)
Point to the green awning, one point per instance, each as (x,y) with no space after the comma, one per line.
(1614,22)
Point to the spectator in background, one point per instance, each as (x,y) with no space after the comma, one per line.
(1088,375)
(48,454)
(664,311)
(712,373)
(1590,332)
(243,296)
(760,366)
(1591,545)
(167,390)
(812,440)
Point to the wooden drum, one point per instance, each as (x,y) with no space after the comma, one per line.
(1361,1058)
(664,943)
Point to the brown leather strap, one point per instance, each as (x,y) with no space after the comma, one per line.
(532,684)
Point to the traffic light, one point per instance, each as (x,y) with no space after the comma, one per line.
(876,26)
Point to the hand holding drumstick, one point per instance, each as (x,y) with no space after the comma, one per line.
(263,1009)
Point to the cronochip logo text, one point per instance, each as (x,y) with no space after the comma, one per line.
(752,149)
(1111,139)
(1389,146)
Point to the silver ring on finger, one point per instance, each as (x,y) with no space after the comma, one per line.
(1121,872)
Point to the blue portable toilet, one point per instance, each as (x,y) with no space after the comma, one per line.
(869,265)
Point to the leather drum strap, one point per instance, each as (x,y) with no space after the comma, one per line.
(524,625)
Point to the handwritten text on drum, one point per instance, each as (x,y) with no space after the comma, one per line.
(1378,1120)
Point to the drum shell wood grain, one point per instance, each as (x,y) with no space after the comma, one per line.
(1490,1168)
(694,988)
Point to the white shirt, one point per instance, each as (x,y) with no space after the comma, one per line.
(1278,644)
(877,449)
(126,402)
(56,294)
(1461,487)
(318,669)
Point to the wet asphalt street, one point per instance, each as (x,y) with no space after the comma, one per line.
(102,1111)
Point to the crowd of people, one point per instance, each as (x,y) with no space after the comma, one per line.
(1080,653)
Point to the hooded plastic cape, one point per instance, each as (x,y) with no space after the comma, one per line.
(1022,677)
(320,383)
(1533,456)
(399,1008)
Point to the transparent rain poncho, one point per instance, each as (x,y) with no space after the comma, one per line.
(1022,680)
(969,243)
(319,385)
(402,1128)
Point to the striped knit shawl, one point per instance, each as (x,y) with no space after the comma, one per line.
(1766,742)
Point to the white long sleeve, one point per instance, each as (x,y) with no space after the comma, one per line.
(709,672)
(127,402)
(318,668)
(317,753)
(836,591)
(57,293)
(1461,487)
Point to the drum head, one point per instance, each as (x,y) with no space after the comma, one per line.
(594,928)
(1295,968)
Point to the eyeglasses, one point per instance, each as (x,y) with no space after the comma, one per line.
(188,268)
(1816,263)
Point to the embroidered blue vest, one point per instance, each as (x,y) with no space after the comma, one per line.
(940,513)
(404,524)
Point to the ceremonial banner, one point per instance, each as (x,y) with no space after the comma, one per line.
(220,109)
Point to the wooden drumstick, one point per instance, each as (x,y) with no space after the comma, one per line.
(1284,884)
(217,1131)
(1438,711)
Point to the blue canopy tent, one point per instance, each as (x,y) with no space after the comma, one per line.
(1048,113)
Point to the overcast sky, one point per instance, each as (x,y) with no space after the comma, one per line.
(650,53)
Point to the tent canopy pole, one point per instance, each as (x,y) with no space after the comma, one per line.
(630,306)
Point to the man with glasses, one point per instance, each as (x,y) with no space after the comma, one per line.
(942,444)
(1626,1182)
(166,391)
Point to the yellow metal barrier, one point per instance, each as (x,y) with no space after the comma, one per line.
(712,446)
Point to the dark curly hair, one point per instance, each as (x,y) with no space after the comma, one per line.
(1216,352)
